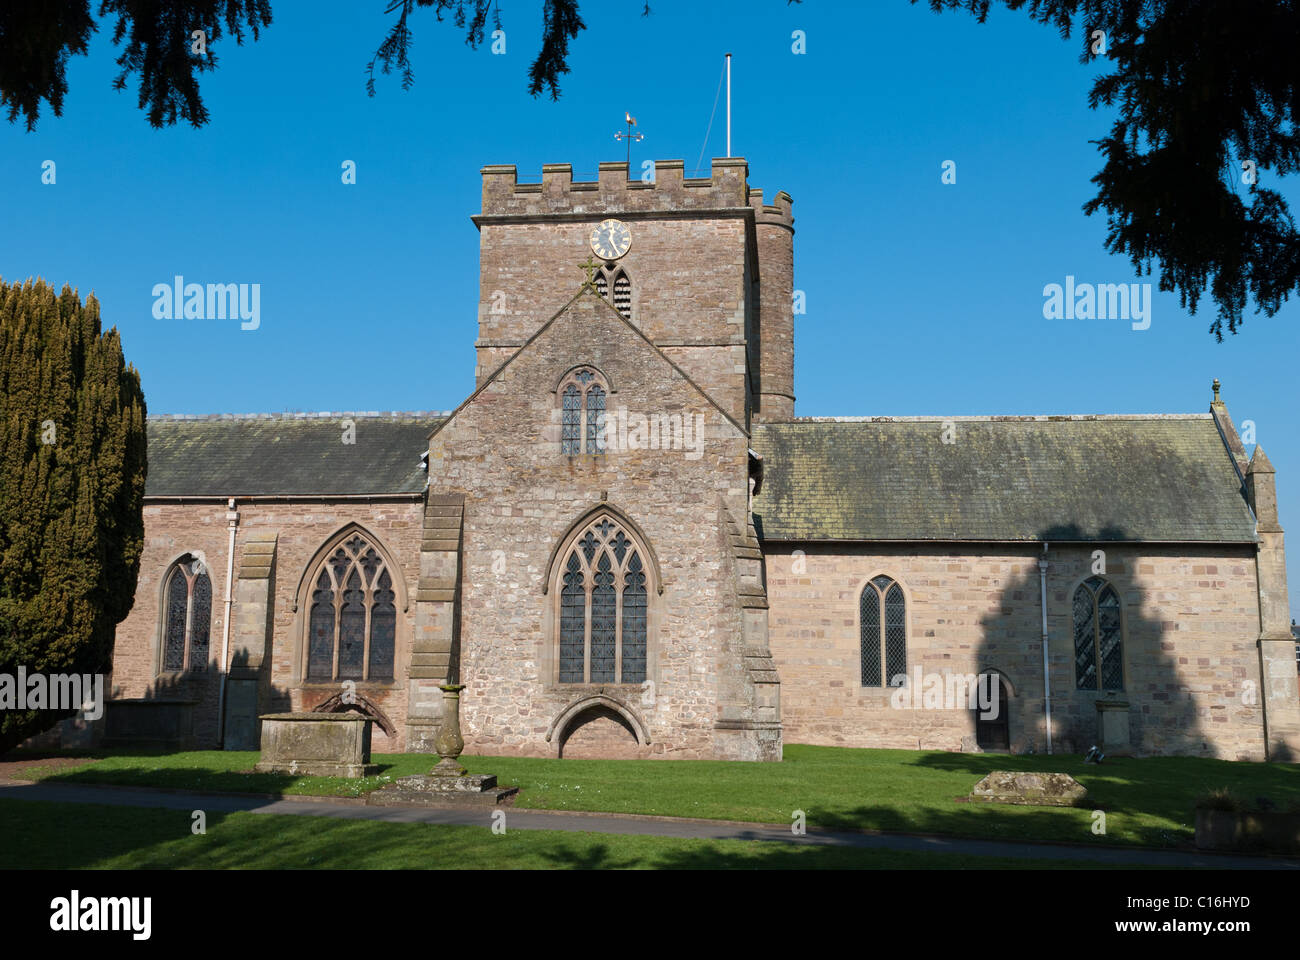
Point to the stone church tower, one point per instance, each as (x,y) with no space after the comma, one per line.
(590,569)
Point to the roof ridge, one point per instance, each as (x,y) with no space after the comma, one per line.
(996,418)
(303,415)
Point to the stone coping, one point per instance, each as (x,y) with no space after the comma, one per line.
(332,717)
(304,415)
(1010,418)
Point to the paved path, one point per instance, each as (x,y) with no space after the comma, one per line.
(520,819)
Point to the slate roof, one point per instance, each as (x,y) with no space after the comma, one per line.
(1160,478)
(287,454)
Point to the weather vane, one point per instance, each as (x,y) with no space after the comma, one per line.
(629,137)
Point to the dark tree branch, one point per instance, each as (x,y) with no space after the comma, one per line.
(1201,86)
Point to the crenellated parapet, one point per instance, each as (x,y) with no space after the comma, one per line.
(726,187)
(776,214)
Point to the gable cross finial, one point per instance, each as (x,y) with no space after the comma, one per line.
(590,266)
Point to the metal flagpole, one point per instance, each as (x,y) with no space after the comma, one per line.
(728,105)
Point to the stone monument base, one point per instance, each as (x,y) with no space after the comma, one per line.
(423,790)
(319,768)
(1038,789)
(316,745)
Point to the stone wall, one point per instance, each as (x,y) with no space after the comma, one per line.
(172,529)
(1191,617)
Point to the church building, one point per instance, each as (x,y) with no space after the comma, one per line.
(624,543)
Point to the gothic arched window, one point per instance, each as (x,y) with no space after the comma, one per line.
(602,586)
(187,616)
(618,280)
(352,616)
(583,396)
(1098,636)
(882,631)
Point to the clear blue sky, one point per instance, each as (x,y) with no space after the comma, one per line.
(922,298)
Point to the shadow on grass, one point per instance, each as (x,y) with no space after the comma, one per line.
(84,836)
(1162,787)
(228,772)
(597,856)
(1009,824)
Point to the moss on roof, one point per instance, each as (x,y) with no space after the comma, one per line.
(284,455)
(1083,479)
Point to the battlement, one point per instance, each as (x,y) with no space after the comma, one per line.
(776,214)
(331,415)
(726,187)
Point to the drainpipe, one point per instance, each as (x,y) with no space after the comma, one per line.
(1047,682)
(232,521)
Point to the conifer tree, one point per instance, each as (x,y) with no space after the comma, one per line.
(72,471)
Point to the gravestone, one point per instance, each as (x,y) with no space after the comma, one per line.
(316,744)
(1039,789)
(1113,728)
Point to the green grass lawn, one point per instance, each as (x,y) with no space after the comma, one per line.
(57,836)
(1147,801)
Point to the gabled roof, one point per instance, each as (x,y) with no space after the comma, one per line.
(1159,478)
(603,303)
(287,455)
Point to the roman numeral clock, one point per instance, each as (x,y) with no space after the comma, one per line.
(611,240)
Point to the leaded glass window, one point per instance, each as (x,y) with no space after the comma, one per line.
(178,615)
(634,621)
(604,610)
(352,629)
(352,618)
(869,630)
(573,623)
(583,398)
(595,422)
(383,629)
(571,422)
(1098,636)
(602,599)
(320,645)
(882,631)
(187,617)
(895,632)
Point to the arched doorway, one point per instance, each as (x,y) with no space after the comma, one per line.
(993,733)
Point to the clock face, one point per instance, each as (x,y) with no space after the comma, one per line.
(611,239)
